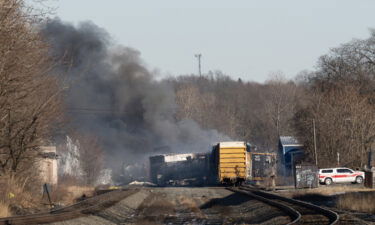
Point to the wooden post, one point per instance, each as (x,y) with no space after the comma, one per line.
(315,153)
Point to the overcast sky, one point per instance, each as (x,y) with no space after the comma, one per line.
(243,38)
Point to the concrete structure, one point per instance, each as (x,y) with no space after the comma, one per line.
(48,165)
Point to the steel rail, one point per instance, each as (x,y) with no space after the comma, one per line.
(331,215)
(87,206)
(293,214)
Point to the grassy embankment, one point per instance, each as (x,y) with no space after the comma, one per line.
(19,197)
(346,197)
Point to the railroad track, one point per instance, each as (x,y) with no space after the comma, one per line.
(231,207)
(82,208)
(300,212)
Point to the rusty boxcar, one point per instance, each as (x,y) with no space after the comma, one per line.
(261,166)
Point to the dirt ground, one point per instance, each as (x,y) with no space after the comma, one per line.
(184,206)
(202,205)
(217,205)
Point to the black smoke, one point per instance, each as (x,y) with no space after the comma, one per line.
(111,94)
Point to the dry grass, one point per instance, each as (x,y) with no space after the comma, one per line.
(345,197)
(16,197)
(363,202)
(329,190)
(23,195)
(4,210)
(69,190)
(68,194)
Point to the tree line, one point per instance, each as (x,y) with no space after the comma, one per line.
(249,111)
(340,96)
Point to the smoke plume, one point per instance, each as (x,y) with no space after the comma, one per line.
(111,94)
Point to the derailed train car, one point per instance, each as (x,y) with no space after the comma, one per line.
(192,169)
(263,165)
(228,163)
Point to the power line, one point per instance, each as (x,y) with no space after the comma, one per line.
(92,111)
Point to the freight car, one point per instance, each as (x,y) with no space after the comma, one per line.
(262,165)
(231,162)
(190,169)
(228,163)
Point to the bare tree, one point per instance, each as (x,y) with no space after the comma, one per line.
(242,110)
(344,126)
(29,94)
(91,158)
(341,101)
(279,105)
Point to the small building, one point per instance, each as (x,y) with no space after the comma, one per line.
(48,165)
(290,151)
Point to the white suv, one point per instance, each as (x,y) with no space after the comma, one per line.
(340,175)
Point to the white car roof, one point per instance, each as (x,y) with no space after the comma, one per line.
(335,168)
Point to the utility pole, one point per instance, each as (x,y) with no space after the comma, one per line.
(198,56)
(316,155)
